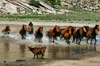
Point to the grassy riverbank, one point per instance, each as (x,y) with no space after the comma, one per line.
(80,16)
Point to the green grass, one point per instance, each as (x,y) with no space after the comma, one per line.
(81,16)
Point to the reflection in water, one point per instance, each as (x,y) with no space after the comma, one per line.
(63,51)
(6,50)
(22,50)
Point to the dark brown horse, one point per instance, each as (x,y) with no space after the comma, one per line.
(53,33)
(95,27)
(92,35)
(38,34)
(78,34)
(6,30)
(23,31)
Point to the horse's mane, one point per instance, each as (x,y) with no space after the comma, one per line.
(7,28)
(39,30)
(23,28)
(95,27)
(54,29)
(93,32)
(87,28)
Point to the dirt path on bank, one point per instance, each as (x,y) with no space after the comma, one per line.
(46,23)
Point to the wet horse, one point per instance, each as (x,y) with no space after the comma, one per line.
(30,30)
(67,35)
(37,51)
(23,31)
(95,27)
(38,34)
(78,34)
(70,30)
(92,35)
(6,30)
(53,33)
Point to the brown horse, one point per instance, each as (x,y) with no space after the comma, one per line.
(6,30)
(30,30)
(38,34)
(78,34)
(67,37)
(23,31)
(53,33)
(70,30)
(95,27)
(92,35)
(37,51)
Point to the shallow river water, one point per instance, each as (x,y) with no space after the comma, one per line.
(12,47)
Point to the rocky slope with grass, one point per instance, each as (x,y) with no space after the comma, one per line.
(91,5)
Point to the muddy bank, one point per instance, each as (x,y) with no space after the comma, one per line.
(82,59)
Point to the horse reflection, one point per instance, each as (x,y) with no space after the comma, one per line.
(22,50)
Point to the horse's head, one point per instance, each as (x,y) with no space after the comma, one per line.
(8,28)
(96,27)
(41,29)
(56,28)
(29,47)
(70,30)
(24,27)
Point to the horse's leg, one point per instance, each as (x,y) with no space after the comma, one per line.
(91,41)
(37,56)
(76,40)
(87,39)
(79,41)
(73,39)
(22,36)
(95,41)
(68,42)
(34,56)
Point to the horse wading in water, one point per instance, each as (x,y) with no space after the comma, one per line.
(92,35)
(38,34)
(53,33)
(6,30)
(23,31)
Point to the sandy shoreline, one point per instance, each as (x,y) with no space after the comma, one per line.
(46,23)
(83,59)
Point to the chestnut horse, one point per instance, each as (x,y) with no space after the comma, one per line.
(37,51)
(70,30)
(30,30)
(69,33)
(53,33)
(38,34)
(78,34)
(23,31)
(92,35)
(6,30)
(95,27)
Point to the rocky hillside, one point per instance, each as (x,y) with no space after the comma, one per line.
(22,6)
(91,5)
